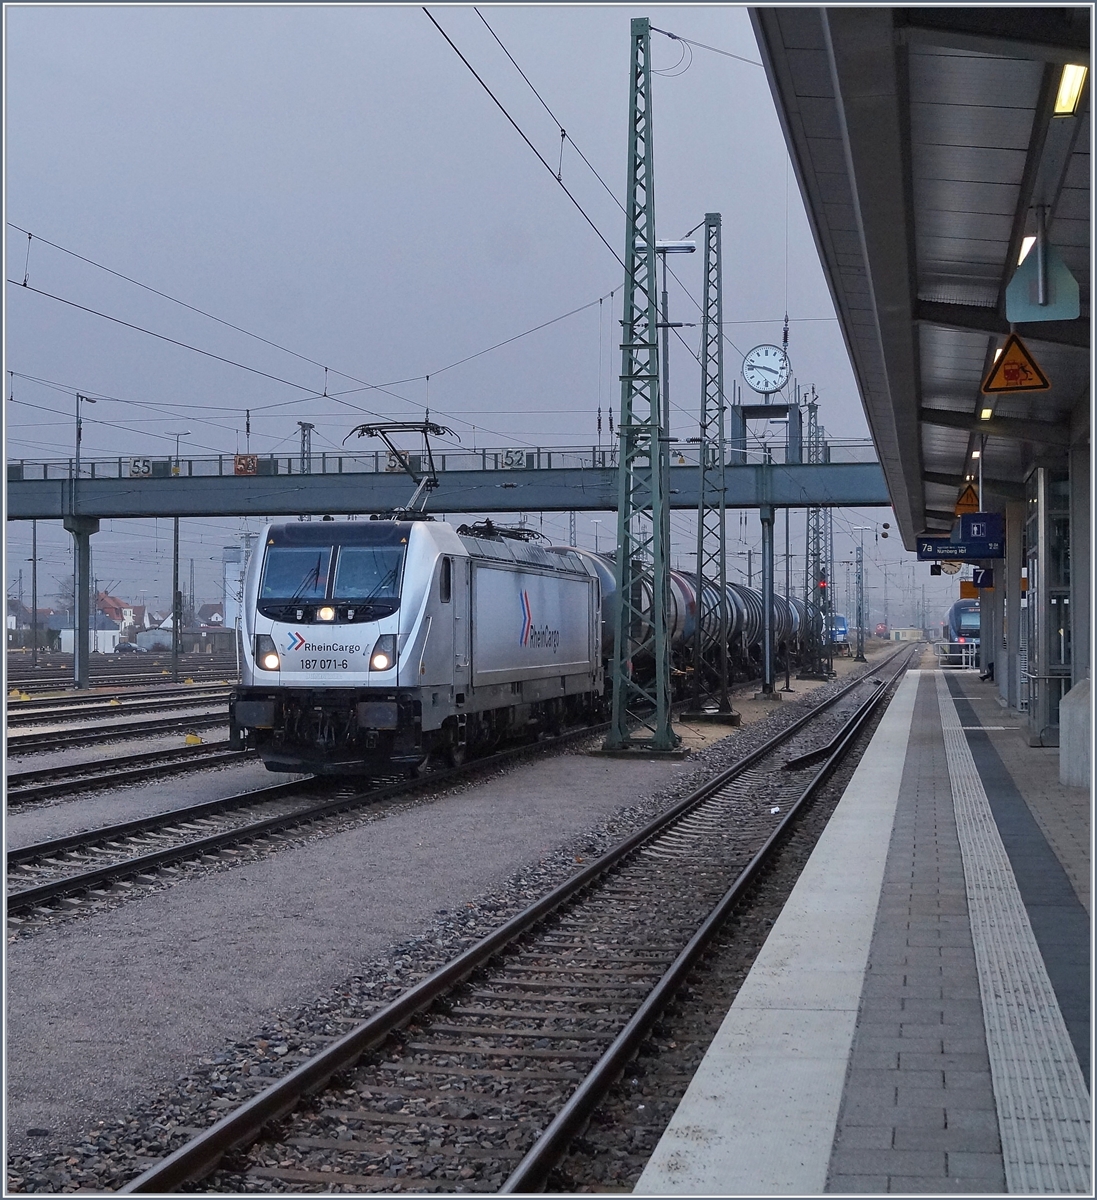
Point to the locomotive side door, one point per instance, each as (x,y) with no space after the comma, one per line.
(460,607)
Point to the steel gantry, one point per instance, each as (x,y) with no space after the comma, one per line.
(641,650)
(710,642)
(817,643)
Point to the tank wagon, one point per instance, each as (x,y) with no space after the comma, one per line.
(744,609)
(370,645)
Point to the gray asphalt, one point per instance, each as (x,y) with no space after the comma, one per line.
(103,1011)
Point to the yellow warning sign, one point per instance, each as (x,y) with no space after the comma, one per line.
(968,590)
(1015,370)
(968,502)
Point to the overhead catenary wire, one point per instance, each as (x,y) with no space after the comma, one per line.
(564,135)
(285,349)
(173,299)
(381,387)
(164,338)
(313,394)
(337,396)
(540,157)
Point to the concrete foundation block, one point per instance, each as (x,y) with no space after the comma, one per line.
(1075,719)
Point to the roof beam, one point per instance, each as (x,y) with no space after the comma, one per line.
(972,319)
(1058,35)
(1044,432)
(1008,488)
(871,111)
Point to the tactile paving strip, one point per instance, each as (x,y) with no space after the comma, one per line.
(1043,1104)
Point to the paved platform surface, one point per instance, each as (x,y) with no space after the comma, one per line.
(918,1021)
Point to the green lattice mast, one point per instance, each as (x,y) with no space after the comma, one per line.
(641,649)
(710,639)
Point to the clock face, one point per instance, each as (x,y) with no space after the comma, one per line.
(766,368)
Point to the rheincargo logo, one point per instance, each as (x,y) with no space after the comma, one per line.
(542,638)
(297,642)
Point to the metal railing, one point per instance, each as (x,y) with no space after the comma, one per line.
(525,458)
(957,656)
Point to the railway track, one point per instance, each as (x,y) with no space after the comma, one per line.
(60,871)
(94,735)
(117,673)
(31,712)
(28,787)
(478,1077)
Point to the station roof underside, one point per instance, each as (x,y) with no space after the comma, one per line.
(924,141)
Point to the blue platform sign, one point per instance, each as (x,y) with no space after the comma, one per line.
(1062,304)
(982,577)
(942,549)
(979,527)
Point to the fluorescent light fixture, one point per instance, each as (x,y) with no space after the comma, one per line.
(998,354)
(1026,245)
(975,453)
(1070,90)
(986,414)
(675,247)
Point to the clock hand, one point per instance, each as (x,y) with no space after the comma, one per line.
(759,367)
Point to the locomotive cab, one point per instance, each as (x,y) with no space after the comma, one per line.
(373,645)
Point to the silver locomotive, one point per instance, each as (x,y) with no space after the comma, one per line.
(369,645)
(383,643)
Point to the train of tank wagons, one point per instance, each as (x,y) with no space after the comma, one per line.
(381,645)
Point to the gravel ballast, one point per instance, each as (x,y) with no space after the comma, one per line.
(129,1029)
(61,816)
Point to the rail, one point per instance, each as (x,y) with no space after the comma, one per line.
(201,1155)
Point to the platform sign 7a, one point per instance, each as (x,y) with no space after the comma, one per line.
(940,549)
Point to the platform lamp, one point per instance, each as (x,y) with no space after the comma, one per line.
(175,461)
(862,530)
(176,606)
(79,437)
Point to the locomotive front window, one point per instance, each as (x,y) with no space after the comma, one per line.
(969,621)
(295,573)
(368,573)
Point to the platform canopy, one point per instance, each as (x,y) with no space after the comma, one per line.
(926,143)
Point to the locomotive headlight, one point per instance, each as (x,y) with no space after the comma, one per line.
(327,613)
(384,652)
(266,656)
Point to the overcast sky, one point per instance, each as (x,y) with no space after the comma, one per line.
(336,181)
